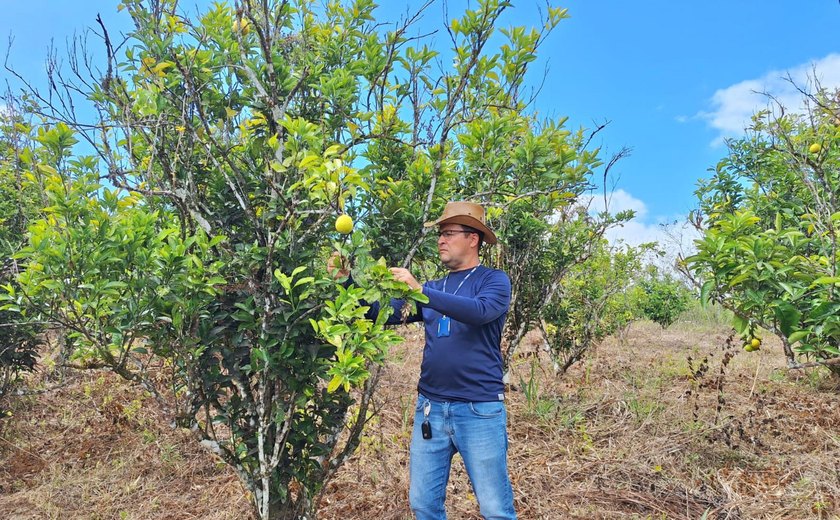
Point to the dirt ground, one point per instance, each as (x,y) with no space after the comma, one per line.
(655,424)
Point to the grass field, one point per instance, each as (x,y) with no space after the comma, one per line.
(653,424)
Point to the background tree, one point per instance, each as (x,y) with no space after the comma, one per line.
(769,218)
(597,297)
(661,297)
(469,134)
(19,340)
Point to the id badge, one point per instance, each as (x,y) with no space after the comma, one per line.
(443,327)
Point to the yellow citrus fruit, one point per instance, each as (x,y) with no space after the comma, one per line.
(344,224)
(815,148)
(755,342)
(244,25)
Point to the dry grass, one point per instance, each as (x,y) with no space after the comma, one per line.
(96,447)
(637,431)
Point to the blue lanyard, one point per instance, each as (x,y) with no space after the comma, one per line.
(443,322)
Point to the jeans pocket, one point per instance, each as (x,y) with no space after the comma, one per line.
(488,409)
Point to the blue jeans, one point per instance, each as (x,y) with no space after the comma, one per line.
(478,432)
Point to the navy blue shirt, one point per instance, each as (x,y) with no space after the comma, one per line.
(467,364)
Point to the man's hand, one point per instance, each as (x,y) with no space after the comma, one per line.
(337,266)
(404,275)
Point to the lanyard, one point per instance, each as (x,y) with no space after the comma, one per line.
(443,322)
(462,281)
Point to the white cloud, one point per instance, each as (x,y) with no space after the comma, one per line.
(675,238)
(674,235)
(617,201)
(733,106)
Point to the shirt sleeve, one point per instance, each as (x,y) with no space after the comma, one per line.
(492,299)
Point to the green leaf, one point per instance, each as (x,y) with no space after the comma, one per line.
(308,160)
(826,280)
(304,280)
(706,291)
(788,317)
(798,335)
(741,325)
(333,150)
(335,382)
(740,278)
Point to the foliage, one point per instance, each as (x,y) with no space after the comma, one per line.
(662,298)
(769,217)
(19,347)
(18,202)
(19,341)
(467,134)
(598,298)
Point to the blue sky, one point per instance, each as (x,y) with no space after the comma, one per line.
(673,78)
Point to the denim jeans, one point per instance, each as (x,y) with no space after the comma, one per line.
(478,432)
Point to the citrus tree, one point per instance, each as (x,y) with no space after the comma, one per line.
(19,339)
(597,297)
(232,152)
(194,238)
(769,217)
(660,296)
(100,263)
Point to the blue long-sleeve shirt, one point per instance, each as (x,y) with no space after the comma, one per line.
(467,364)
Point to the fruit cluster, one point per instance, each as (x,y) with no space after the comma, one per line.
(752,345)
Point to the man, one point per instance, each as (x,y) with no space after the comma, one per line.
(460,406)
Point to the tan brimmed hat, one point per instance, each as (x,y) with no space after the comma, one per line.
(467,214)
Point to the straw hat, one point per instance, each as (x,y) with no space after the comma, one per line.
(467,214)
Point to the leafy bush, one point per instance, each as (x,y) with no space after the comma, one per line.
(20,344)
(20,341)
(662,297)
(598,299)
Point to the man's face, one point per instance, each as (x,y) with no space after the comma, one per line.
(455,245)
